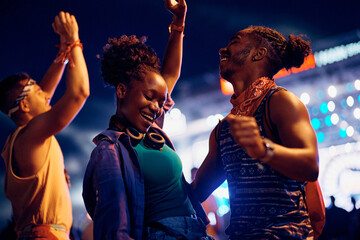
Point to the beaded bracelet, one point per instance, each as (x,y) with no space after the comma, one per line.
(64,56)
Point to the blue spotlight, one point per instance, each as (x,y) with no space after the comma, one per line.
(315,111)
(320,94)
(342,132)
(315,123)
(349,87)
(320,137)
(324,108)
(343,103)
(328,120)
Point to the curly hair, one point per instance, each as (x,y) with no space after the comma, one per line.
(10,88)
(127,58)
(282,53)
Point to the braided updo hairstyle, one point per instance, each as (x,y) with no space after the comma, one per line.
(282,53)
(127,58)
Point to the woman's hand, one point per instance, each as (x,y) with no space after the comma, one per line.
(178,9)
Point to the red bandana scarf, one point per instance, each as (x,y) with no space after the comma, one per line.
(249,100)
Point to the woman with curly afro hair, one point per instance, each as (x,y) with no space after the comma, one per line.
(133,186)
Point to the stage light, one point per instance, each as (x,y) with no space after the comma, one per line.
(226,87)
(350,131)
(357,113)
(332,91)
(175,123)
(175,113)
(336,54)
(320,94)
(357,84)
(222,191)
(324,108)
(343,124)
(315,110)
(219,116)
(305,98)
(343,103)
(321,123)
(212,120)
(221,195)
(331,106)
(342,132)
(223,209)
(350,101)
(315,123)
(320,137)
(212,218)
(349,87)
(334,118)
(328,120)
(309,62)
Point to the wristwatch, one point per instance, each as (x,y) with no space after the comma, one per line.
(269,150)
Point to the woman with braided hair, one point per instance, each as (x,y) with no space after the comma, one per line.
(266,147)
(133,186)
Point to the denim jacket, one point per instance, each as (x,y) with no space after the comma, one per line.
(113,187)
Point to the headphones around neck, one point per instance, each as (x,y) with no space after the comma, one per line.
(151,140)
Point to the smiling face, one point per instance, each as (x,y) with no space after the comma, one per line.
(234,57)
(140,103)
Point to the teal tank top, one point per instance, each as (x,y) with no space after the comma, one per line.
(165,193)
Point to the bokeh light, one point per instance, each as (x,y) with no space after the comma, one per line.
(332,91)
(305,98)
(331,106)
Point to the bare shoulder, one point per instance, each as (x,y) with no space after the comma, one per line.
(29,134)
(29,154)
(285,97)
(40,128)
(32,134)
(285,104)
(292,120)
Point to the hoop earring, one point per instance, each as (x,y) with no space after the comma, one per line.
(135,136)
(154,141)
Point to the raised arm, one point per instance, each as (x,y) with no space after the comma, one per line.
(211,172)
(53,75)
(171,65)
(77,83)
(51,78)
(297,156)
(55,72)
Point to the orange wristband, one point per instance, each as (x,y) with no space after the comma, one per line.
(65,55)
(173,27)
